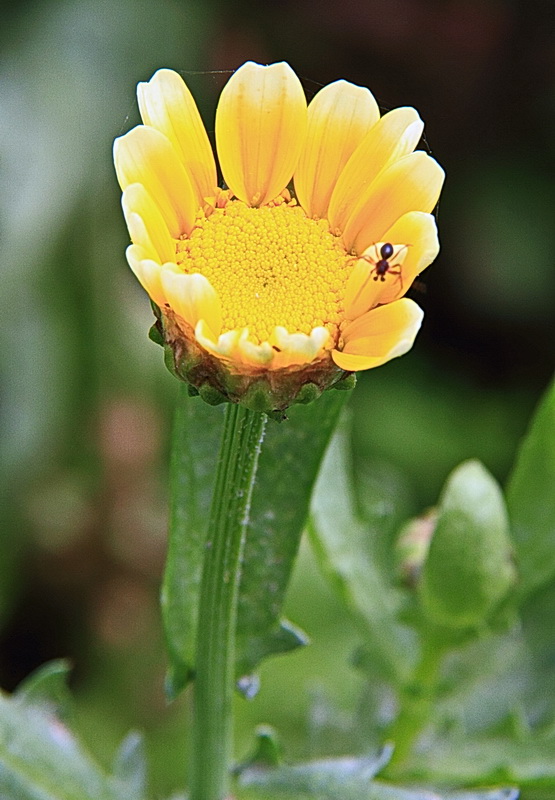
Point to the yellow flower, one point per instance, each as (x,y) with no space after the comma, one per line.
(261,280)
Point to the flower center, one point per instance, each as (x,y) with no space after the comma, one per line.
(270,266)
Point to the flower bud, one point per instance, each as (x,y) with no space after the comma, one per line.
(412,547)
(469,567)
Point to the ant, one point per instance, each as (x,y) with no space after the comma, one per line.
(381,265)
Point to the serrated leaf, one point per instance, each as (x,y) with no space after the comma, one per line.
(48,684)
(383,499)
(195,444)
(40,759)
(345,778)
(287,470)
(130,767)
(325,778)
(339,540)
(468,568)
(531,499)
(266,752)
(528,763)
(491,794)
(485,685)
(537,615)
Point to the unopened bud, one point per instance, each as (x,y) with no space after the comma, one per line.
(412,546)
(469,566)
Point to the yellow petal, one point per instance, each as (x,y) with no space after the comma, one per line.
(224,345)
(379,335)
(415,245)
(256,354)
(418,231)
(260,130)
(147,271)
(363,286)
(339,117)
(140,235)
(412,183)
(146,156)
(192,297)
(394,136)
(297,348)
(166,104)
(146,224)
(235,345)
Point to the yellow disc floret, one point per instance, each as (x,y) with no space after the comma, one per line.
(271,266)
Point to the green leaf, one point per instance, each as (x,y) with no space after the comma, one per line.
(491,794)
(325,779)
(531,499)
(289,461)
(537,615)
(468,568)
(40,759)
(267,750)
(195,444)
(130,764)
(345,778)
(527,763)
(277,517)
(481,794)
(383,498)
(48,684)
(340,542)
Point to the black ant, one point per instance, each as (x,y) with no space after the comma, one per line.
(381,265)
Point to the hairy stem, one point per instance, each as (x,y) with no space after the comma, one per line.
(214,680)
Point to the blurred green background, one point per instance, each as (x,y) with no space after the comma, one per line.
(86,402)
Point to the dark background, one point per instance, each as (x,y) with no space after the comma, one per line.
(86,403)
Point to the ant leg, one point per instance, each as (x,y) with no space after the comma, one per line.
(399,273)
(368,260)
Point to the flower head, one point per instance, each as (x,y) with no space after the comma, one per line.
(294,274)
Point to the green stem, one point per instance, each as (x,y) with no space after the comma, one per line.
(214,681)
(417,699)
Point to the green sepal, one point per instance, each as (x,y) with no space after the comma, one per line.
(469,568)
(210,395)
(169,361)
(267,391)
(308,393)
(257,396)
(347,382)
(155,335)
